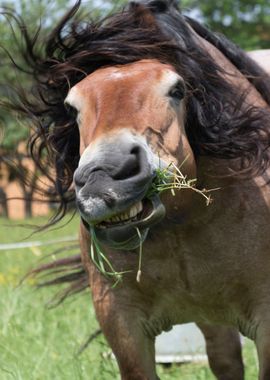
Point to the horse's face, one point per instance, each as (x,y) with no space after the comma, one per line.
(131,121)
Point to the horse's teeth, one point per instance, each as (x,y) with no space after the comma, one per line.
(131,213)
(139,206)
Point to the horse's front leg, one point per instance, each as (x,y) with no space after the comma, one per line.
(224,352)
(122,327)
(121,322)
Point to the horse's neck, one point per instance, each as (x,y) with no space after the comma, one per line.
(232,74)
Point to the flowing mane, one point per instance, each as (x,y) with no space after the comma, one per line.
(218,123)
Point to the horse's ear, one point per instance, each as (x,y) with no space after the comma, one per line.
(159,6)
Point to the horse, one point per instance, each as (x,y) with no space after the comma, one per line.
(120,100)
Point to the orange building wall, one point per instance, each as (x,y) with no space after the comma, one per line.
(16,206)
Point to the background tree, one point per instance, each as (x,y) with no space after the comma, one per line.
(14,158)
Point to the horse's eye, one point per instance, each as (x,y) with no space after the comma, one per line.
(178,91)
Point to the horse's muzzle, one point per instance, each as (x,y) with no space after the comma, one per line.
(111,193)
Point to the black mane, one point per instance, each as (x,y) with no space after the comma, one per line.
(218,122)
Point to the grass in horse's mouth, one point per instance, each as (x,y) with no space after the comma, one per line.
(101,262)
(171,178)
(100,259)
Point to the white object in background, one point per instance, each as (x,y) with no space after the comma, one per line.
(184,343)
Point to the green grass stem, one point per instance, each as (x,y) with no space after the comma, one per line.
(171,178)
(100,260)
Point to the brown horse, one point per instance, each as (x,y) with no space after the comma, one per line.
(116,102)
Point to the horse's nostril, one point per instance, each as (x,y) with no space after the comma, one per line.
(135,150)
(129,168)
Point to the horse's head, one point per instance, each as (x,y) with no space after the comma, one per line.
(131,121)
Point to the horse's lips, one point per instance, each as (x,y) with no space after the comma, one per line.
(126,236)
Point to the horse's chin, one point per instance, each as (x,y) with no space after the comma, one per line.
(129,234)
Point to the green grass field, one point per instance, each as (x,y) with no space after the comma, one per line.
(41,344)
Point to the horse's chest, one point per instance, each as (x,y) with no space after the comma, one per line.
(178,265)
(187,281)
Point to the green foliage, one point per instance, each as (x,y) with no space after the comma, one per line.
(245,22)
(35,14)
(13,135)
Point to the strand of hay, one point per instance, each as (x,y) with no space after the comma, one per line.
(171,178)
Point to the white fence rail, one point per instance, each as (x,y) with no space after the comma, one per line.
(30,244)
